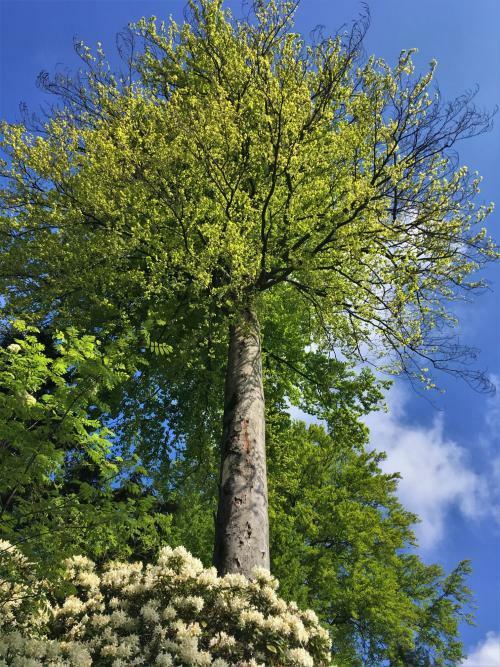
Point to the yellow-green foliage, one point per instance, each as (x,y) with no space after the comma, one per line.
(239,157)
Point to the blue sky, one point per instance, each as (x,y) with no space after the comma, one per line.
(449,452)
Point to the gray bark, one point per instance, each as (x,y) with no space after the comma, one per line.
(242,526)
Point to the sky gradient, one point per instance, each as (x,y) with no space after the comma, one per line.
(447,450)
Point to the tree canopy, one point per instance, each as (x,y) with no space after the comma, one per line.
(236,161)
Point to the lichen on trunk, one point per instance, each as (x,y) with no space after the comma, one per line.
(242,526)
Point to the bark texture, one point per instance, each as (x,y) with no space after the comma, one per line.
(242,527)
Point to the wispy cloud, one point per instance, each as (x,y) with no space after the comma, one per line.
(486,653)
(438,475)
(491,435)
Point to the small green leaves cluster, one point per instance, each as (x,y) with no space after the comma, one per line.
(44,405)
(63,484)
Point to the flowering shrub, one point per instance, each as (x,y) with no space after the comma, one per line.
(20,592)
(172,613)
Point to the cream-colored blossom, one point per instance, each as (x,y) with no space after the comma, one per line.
(163,614)
(29,400)
(263,576)
(300,657)
(194,602)
(169,613)
(310,616)
(222,640)
(252,616)
(149,611)
(72,605)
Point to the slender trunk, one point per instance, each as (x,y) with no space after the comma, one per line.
(242,527)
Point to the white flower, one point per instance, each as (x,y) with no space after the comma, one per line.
(186,631)
(188,651)
(263,576)
(169,613)
(310,616)
(14,348)
(149,612)
(72,605)
(277,625)
(79,563)
(208,577)
(119,619)
(252,616)
(193,602)
(233,581)
(280,606)
(29,400)
(87,580)
(299,656)
(297,628)
(100,620)
(174,608)
(222,640)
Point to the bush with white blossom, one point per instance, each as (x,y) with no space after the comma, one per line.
(174,612)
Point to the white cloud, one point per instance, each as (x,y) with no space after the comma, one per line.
(486,653)
(437,475)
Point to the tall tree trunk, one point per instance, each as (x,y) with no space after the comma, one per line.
(242,527)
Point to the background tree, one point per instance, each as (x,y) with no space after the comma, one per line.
(64,489)
(341,541)
(236,174)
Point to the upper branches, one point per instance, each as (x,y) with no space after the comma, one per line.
(233,158)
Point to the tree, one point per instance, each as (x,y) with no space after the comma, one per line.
(236,172)
(342,542)
(63,487)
